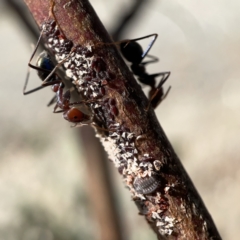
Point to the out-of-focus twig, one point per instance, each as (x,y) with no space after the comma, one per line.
(128,16)
(20,10)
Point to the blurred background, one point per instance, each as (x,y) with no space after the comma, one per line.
(45,181)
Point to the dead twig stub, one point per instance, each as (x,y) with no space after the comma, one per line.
(132,136)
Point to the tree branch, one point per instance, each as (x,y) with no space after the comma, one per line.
(134,139)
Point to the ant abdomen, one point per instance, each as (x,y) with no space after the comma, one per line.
(74,115)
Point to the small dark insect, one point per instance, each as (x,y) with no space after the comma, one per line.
(146,185)
(133,52)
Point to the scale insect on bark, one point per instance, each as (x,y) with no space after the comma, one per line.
(146,185)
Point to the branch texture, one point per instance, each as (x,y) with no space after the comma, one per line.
(133,138)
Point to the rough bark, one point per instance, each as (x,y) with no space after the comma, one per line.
(134,138)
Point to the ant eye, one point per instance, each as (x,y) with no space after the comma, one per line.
(74,115)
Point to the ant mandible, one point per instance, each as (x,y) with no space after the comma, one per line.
(133,52)
(46,71)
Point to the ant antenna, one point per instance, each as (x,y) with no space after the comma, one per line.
(34,67)
(44,83)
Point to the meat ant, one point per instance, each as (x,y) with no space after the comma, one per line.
(133,52)
(46,71)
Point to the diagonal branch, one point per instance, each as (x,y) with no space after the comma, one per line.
(134,139)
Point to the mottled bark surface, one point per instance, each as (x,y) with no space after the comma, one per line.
(134,139)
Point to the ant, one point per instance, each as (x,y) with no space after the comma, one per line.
(46,71)
(133,52)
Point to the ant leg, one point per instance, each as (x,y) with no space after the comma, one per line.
(51,12)
(52,101)
(71,104)
(55,68)
(38,88)
(59,111)
(155,96)
(33,54)
(164,78)
(127,41)
(154,59)
(92,124)
(35,50)
(51,9)
(84,101)
(164,95)
(56,107)
(150,45)
(25,85)
(99,128)
(154,35)
(34,67)
(158,98)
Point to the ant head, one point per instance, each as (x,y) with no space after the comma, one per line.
(132,51)
(75,115)
(45,63)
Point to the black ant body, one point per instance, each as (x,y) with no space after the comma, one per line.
(133,52)
(46,71)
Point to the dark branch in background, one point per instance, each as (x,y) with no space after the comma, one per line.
(134,139)
(20,10)
(128,16)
